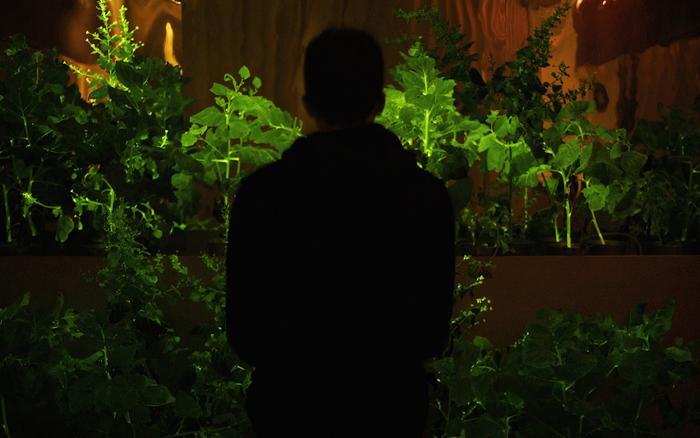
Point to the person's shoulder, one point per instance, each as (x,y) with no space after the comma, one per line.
(271,173)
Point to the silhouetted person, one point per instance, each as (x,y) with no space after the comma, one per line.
(340,264)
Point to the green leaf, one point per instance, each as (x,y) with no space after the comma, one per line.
(154,394)
(127,74)
(496,157)
(586,154)
(181,181)
(257,83)
(219,89)
(679,354)
(209,116)
(596,196)
(488,141)
(482,342)
(188,139)
(244,73)
(64,228)
(567,154)
(632,163)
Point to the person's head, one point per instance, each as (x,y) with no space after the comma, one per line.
(343,77)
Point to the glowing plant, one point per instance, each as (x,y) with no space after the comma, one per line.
(42,123)
(236,135)
(422,113)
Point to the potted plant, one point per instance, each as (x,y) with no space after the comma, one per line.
(669,193)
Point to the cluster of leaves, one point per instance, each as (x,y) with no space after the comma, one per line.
(138,107)
(669,192)
(42,123)
(123,371)
(568,375)
(239,133)
(422,113)
(62,158)
(452,55)
(583,159)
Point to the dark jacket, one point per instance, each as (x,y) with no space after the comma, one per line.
(340,264)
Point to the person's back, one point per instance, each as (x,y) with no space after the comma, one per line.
(340,276)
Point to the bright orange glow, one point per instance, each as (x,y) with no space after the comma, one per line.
(168,48)
(578,3)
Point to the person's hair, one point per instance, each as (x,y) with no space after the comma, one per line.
(343,75)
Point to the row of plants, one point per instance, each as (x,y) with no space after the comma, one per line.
(549,174)
(126,166)
(64,161)
(124,370)
(525,167)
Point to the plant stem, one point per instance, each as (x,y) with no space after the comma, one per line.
(567,206)
(526,217)
(426,133)
(597,229)
(8,218)
(104,353)
(686,219)
(510,193)
(557,237)
(5,426)
(27,213)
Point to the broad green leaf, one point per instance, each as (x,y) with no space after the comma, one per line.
(257,83)
(188,139)
(488,141)
(632,163)
(495,157)
(154,394)
(127,74)
(586,154)
(567,154)
(596,196)
(209,116)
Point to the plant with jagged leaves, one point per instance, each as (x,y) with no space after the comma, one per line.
(241,132)
(42,132)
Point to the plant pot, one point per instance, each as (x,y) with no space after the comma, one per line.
(611,247)
(658,248)
(463,247)
(615,244)
(559,249)
(522,247)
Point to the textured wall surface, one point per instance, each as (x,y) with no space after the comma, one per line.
(269,36)
(644,52)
